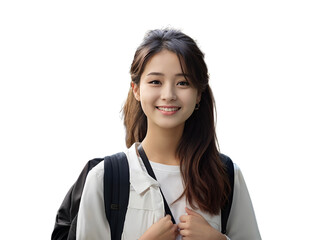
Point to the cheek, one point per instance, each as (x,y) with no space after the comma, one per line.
(148,98)
(190,99)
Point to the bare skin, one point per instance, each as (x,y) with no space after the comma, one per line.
(164,229)
(163,85)
(194,227)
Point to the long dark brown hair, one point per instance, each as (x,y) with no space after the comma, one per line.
(206,184)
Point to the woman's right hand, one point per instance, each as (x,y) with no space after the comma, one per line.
(164,229)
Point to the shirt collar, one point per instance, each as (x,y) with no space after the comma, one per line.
(139,178)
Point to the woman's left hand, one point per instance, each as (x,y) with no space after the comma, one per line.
(194,227)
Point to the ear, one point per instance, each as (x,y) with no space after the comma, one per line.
(135,88)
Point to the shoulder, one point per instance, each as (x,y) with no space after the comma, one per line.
(96,166)
(238,176)
(234,171)
(97,171)
(226,160)
(229,163)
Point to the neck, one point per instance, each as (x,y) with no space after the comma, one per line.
(160,145)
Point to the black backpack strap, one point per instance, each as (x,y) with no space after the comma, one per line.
(230,171)
(151,173)
(116,192)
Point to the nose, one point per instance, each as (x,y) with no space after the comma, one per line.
(168,93)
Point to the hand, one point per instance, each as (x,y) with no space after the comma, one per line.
(194,227)
(164,229)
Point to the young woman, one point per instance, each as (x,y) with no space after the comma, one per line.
(169,112)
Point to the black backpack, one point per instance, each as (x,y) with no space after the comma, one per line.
(116,196)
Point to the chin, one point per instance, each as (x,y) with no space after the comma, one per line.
(170,126)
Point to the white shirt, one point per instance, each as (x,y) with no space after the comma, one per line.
(170,180)
(171,184)
(146,205)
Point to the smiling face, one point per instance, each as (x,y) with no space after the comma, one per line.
(166,97)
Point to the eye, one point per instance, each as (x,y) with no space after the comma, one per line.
(183,83)
(154,82)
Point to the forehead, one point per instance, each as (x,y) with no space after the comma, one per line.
(165,62)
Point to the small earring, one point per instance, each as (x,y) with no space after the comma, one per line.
(197,106)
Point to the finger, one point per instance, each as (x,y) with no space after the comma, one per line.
(175,228)
(184,233)
(192,212)
(184,218)
(167,217)
(182,225)
(176,231)
(167,222)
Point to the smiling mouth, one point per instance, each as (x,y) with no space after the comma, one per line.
(168,109)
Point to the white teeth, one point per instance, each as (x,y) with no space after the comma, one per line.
(168,109)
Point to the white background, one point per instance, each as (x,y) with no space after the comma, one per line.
(64,70)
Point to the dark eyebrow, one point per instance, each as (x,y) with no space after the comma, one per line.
(161,74)
(155,74)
